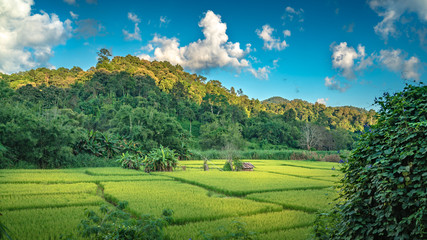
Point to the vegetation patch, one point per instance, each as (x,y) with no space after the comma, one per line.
(189,203)
(306,200)
(260,223)
(14,202)
(36,189)
(290,234)
(242,183)
(44,223)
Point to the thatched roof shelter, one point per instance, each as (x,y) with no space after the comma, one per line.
(247,166)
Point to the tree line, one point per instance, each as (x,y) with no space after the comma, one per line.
(49,118)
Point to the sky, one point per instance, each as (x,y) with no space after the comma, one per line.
(335,52)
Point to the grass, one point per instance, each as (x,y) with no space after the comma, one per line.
(242,183)
(45,223)
(277,199)
(189,203)
(261,223)
(290,234)
(14,202)
(306,200)
(69,176)
(33,188)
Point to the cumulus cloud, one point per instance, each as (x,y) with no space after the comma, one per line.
(334,84)
(213,51)
(351,62)
(26,39)
(394,60)
(344,57)
(322,100)
(136,35)
(270,42)
(392,11)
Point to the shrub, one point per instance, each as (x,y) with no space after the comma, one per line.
(117,224)
(332,158)
(131,161)
(160,159)
(227,166)
(384,192)
(238,165)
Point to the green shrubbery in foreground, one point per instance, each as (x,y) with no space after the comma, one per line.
(384,190)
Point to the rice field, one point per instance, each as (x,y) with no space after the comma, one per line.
(278,200)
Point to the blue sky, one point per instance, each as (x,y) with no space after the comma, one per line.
(337,52)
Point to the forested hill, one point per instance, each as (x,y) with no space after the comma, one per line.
(128,104)
(119,77)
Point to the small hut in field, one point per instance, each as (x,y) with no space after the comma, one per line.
(247,166)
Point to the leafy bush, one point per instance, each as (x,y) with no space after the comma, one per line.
(117,224)
(238,165)
(384,192)
(228,166)
(131,161)
(160,159)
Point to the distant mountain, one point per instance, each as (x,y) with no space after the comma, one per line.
(276,100)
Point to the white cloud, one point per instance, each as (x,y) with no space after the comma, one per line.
(291,13)
(70,1)
(261,73)
(343,58)
(271,42)
(73,15)
(411,69)
(351,63)
(322,100)
(27,39)
(213,51)
(335,84)
(164,20)
(136,35)
(394,60)
(392,10)
(133,17)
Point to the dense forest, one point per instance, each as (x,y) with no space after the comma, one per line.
(51,116)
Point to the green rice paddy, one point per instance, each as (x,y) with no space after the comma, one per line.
(278,200)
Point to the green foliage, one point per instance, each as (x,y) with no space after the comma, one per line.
(44,139)
(148,126)
(114,223)
(227,166)
(160,159)
(147,104)
(384,192)
(99,144)
(221,134)
(238,164)
(236,230)
(131,161)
